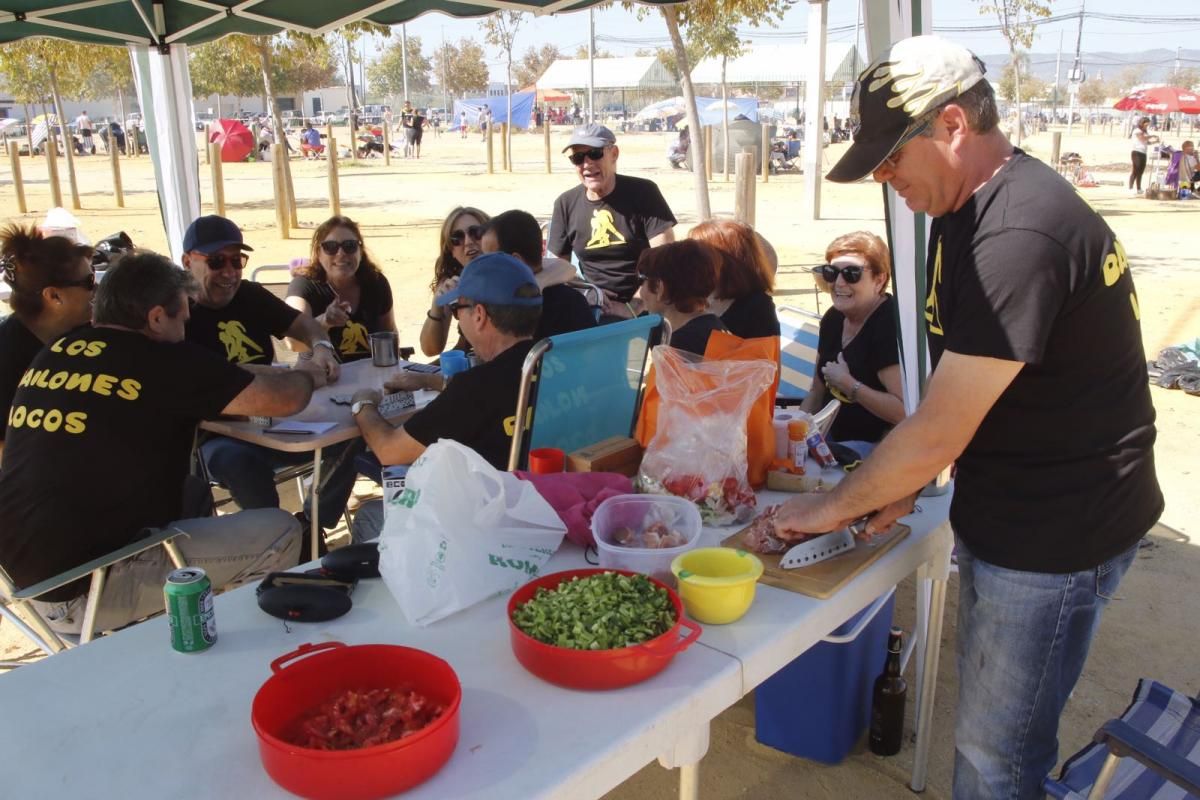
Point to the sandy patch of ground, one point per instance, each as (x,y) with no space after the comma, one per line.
(1149,631)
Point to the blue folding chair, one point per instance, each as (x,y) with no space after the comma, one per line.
(582,387)
(1150,751)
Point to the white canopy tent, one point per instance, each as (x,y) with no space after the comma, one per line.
(780,63)
(633,72)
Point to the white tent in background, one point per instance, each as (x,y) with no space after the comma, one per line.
(634,72)
(779,63)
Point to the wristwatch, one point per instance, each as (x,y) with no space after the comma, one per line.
(324,343)
(359,405)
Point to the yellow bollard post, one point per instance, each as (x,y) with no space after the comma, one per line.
(114,162)
(14,159)
(279,182)
(765,152)
(52,171)
(218,178)
(491,166)
(743,199)
(335,195)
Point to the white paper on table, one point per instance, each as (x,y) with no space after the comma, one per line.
(302,428)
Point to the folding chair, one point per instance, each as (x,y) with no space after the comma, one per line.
(1156,742)
(799,332)
(592,293)
(582,387)
(37,630)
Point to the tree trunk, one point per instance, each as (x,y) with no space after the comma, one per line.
(724,122)
(264,53)
(68,145)
(1017,92)
(121,105)
(696,148)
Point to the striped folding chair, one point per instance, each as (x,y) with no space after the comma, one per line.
(799,331)
(1150,751)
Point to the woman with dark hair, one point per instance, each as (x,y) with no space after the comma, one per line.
(462,231)
(1139,143)
(858,360)
(676,280)
(52,285)
(343,289)
(745,278)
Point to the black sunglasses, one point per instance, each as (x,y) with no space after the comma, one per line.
(643,278)
(456,306)
(220,261)
(88,283)
(851,273)
(475,232)
(349,246)
(595,154)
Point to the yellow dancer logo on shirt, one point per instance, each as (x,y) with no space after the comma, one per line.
(354,339)
(604,230)
(933,315)
(233,336)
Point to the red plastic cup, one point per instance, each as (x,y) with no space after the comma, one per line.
(546,460)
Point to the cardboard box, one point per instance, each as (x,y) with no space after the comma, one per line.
(619,454)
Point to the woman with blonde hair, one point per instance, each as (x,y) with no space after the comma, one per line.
(745,278)
(458,245)
(858,360)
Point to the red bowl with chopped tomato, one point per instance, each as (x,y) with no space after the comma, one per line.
(305,680)
(598,669)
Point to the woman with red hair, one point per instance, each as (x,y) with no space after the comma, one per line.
(676,280)
(745,278)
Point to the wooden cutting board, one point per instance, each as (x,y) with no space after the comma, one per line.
(823,579)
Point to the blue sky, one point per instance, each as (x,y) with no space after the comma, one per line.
(620,33)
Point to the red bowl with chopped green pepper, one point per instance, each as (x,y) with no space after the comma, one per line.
(592,623)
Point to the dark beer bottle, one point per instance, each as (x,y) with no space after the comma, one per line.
(887,702)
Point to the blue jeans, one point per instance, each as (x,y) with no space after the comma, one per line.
(248,472)
(1023,638)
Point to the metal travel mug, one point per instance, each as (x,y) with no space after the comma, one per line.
(384,347)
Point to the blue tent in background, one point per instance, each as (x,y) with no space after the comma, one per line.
(522,110)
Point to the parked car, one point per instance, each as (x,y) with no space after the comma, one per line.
(203,119)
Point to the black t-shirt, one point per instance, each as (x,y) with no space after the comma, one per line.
(693,336)
(1060,475)
(18,346)
(375,301)
(242,330)
(99,437)
(608,235)
(872,349)
(563,310)
(478,407)
(752,316)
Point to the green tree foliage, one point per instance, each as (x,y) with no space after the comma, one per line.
(666,55)
(463,67)
(1131,76)
(23,73)
(234,65)
(1095,92)
(534,63)
(1186,78)
(500,30)
(387,74)
(1017,19)
(1032,87)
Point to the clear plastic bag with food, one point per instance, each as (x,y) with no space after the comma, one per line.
(699,447)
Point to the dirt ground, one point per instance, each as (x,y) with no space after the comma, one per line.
(1150,631)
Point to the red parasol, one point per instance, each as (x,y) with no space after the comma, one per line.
(1161,100)
(235,139)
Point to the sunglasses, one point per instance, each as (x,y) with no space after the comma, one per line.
(643,278)
(457,238)
(88,283)
(348,246)
(219,261)
(595,154)
(851,273)
(456,306)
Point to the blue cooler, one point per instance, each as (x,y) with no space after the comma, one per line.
(819,705)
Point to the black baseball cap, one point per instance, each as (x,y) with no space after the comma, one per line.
(211,233)
(894,94)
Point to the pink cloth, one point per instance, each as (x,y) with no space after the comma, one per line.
(575,495)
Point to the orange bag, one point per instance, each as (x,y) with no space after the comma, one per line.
(760,444)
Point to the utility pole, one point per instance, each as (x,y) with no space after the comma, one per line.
(591,65)
(1077,75)
(404,56)
(1057,76)
(1178,51)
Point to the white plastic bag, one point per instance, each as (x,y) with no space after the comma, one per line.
(461,532)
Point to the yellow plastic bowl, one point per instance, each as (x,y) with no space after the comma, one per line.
(717,583)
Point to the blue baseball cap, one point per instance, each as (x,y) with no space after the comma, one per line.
(496,279)
(211,233)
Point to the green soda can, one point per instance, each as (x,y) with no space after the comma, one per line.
(189,601)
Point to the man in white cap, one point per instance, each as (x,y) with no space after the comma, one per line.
(1039,394)
(608,220)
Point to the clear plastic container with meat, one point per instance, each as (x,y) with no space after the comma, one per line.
(644,533)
